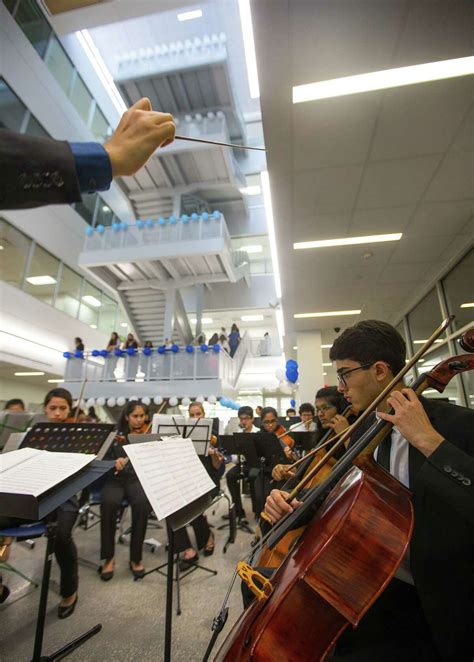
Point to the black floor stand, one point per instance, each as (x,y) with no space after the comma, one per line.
(39,633)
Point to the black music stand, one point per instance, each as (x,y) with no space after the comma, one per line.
(304,440)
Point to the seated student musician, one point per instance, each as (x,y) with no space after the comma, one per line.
(123,484)
(58,409)
(306,412)
(291,412)
(427,610)
(15,405)
(235,475)
(204,536)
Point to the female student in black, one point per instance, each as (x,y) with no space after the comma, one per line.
(123,484)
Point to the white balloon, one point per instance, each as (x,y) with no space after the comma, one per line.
(158,400)
(200,399)
(146,400)
(280,374)
(173,401)
(212,399)
(134,397)
(111,402)
(121,401)
(100,401)
(286,388)
(185,402)
(90,402)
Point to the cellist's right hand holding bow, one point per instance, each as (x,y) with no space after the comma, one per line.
(276,506)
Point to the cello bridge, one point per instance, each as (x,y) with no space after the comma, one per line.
(260,586)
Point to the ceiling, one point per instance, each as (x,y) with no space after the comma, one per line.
(379,162)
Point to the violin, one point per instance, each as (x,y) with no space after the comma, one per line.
(329,580)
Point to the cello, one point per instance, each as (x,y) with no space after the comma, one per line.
(360,528)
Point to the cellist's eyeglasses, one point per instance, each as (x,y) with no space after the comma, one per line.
(341,376)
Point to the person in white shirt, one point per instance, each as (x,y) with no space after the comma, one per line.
(239,472)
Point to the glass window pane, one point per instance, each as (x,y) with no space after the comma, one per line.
(99,125)
(104,214)
(452,391)
(91,302)
(424,319)
(42,275)
(34,128)
(86,207)
(69,292)
(10,5)
(59,64)
(81,98)
(459,291)
(12,110)
(107,314)
(33,22)
(14,251)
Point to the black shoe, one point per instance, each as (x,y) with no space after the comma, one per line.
(137,574)
(105,576)
(5,593)
(65,612)
(185,564)
(210,546)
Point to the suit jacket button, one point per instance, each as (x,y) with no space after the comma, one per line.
(57,180)
(466,482)
(447,468)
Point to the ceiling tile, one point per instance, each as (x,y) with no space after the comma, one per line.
(382,220)
(440,218)
(427,250)
(326,190)
(403,273)
(321,226)
(453,180)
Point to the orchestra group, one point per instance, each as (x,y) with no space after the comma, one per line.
(425,610)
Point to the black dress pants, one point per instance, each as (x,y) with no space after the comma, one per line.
(65,549)
(113,493)
(233,478)
(201,531)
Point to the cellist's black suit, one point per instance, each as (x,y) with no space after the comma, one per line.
(435,619)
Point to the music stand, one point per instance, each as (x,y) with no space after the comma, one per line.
(89,438)
(304,440)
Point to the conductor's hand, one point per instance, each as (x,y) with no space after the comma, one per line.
(120,463)
(281,472)
(139,133)
(276,506)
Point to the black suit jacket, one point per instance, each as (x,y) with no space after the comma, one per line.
(35,172)
(442,545)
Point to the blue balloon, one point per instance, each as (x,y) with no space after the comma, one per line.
(161,349)
(104,353)
(195,217)
(293,403)
(78,354)
(174,349)
(291,363)
(216,348)
(131,351)
(190,349)
(236,406)
(172,220)
(216,214)
(204,347)
(185,218)
(95,352)
(116,227)
(224,402)
(100,229)
(161,221)
(147,351)
(205,216)
(67,355)
(149,223)
(118,352)
(140,224)
(89,231)
(292,374)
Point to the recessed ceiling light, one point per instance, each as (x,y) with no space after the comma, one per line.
(330,313)
(41,280)
(295,347)
(252,249)
(124,324)
(55,381)
(2,247)
(382,80)
(422,342)
(267,196)
(467,305)
(91,300)
(327,365)
(251,318)
(347,241)
(106,208)
(28,374)
(190,15)
(204,320)
(325,374)
(93,326)
(251,190)
(326,346)
(249,47)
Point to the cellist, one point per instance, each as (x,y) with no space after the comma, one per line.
(427,611)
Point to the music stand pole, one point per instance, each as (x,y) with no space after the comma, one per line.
(169,594)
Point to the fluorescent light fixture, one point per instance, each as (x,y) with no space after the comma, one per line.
(251,190)
(467,305)
(55,381)
(204,320)
(382,80)
(326,346)
(329,313)
(124,324)
(2,247)
(348,241)
(280,324)
(28,374)
(422,342)
(249,47)
(327,365)
(324,374)
(41,280)
(251,250)
(295,347)
(106,208)
(93,326)
(189,15)
(267,196)
(101,69)
(91,300)
(252,318)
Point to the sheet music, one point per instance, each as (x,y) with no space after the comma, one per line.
(170,473)
(169,422)
(31,471)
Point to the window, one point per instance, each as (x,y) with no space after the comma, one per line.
(91,302)
(458,289)
(81,99)
(34,128)
(69,292)
(42,275)
(14,249)
(104,214)
(453,389)
(107,315)
(12,110)
(424,319)
(99,126)
(86,208)
(33,22)
(59,65)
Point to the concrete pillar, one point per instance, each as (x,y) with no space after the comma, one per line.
(168,322)
(310,365)
(199,302)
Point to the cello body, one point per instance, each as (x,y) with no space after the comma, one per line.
(341,563)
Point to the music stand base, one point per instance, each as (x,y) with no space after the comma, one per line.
(72,645)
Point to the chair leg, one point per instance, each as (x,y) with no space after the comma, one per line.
(10,568)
